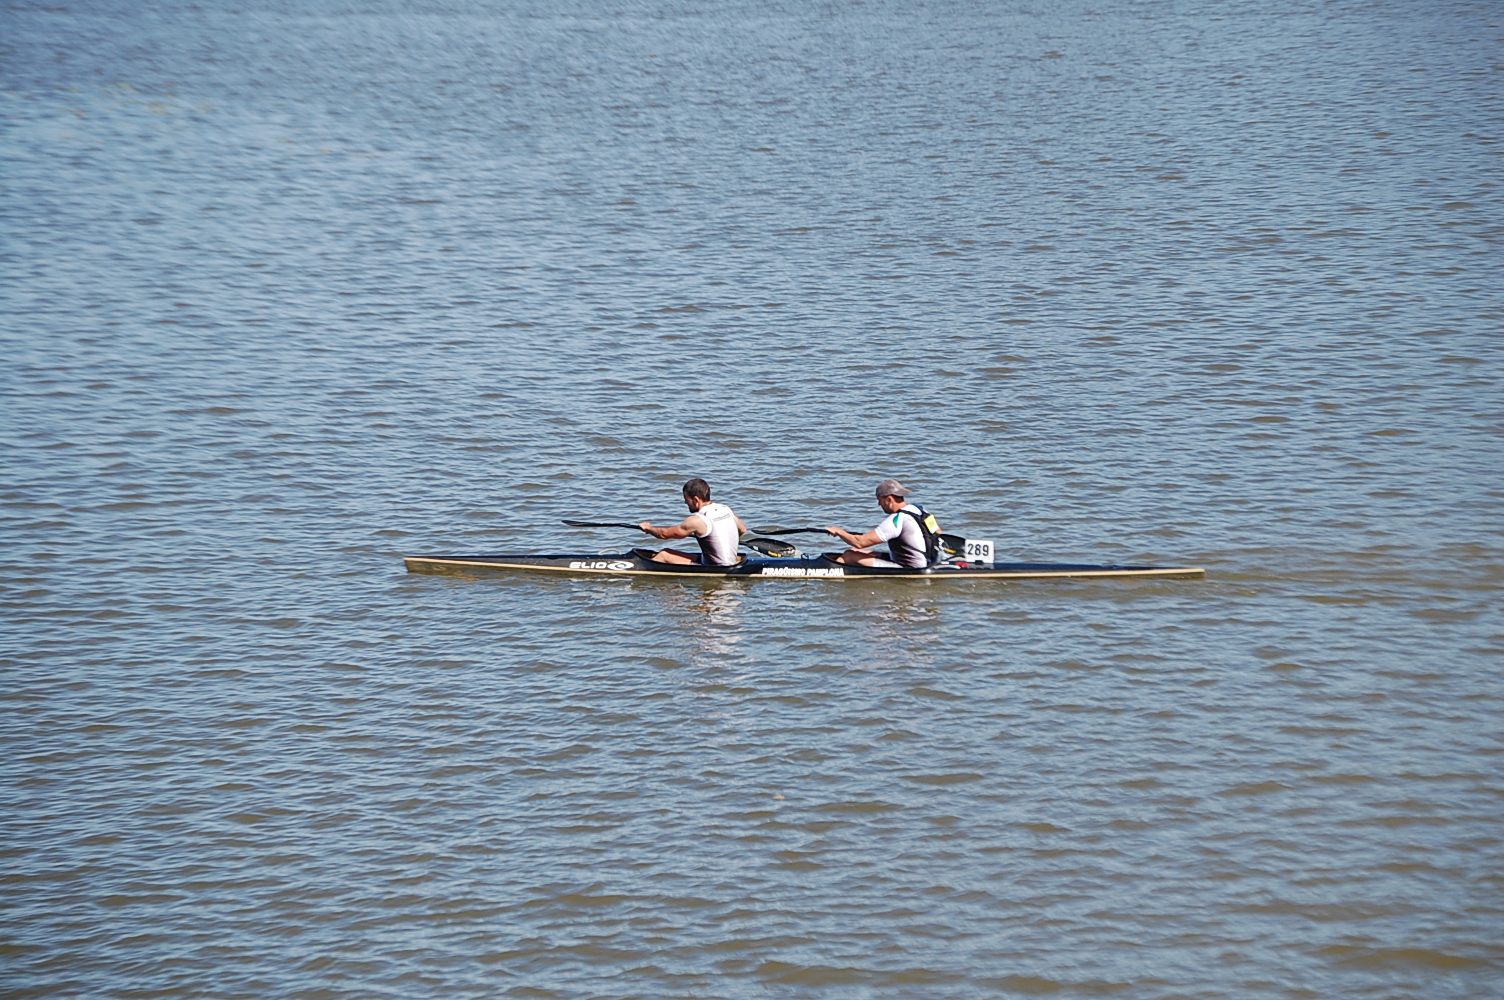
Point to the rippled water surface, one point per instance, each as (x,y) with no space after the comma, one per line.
(294,288)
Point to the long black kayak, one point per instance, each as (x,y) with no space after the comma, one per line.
(639,563)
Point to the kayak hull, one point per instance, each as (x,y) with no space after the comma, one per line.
(822,567)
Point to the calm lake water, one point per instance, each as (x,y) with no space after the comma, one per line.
(293,288)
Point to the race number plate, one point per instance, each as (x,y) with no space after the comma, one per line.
(979,550)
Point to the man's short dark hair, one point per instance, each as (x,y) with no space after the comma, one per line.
(697,488)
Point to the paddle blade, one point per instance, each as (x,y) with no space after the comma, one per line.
(602,524)
(769,547)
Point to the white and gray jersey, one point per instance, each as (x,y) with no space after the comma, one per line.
(718,548)
(905,540)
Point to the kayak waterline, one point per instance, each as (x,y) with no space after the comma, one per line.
(639,562)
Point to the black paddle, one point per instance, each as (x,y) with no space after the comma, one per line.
(791,531)
(954,544)
(602,524)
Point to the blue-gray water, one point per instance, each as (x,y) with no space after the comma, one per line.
(291,289)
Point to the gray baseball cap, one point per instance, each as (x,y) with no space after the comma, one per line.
(892,488)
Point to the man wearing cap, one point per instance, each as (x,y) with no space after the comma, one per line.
(912,535)
(713,525)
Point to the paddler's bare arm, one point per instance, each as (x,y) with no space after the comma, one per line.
(693,524)
(862,541)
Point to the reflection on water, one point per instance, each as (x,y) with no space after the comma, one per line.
(296,289)
(707,619)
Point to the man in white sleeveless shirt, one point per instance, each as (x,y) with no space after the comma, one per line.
(713,525)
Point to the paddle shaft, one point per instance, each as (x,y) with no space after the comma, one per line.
(791,531)
(955,543)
